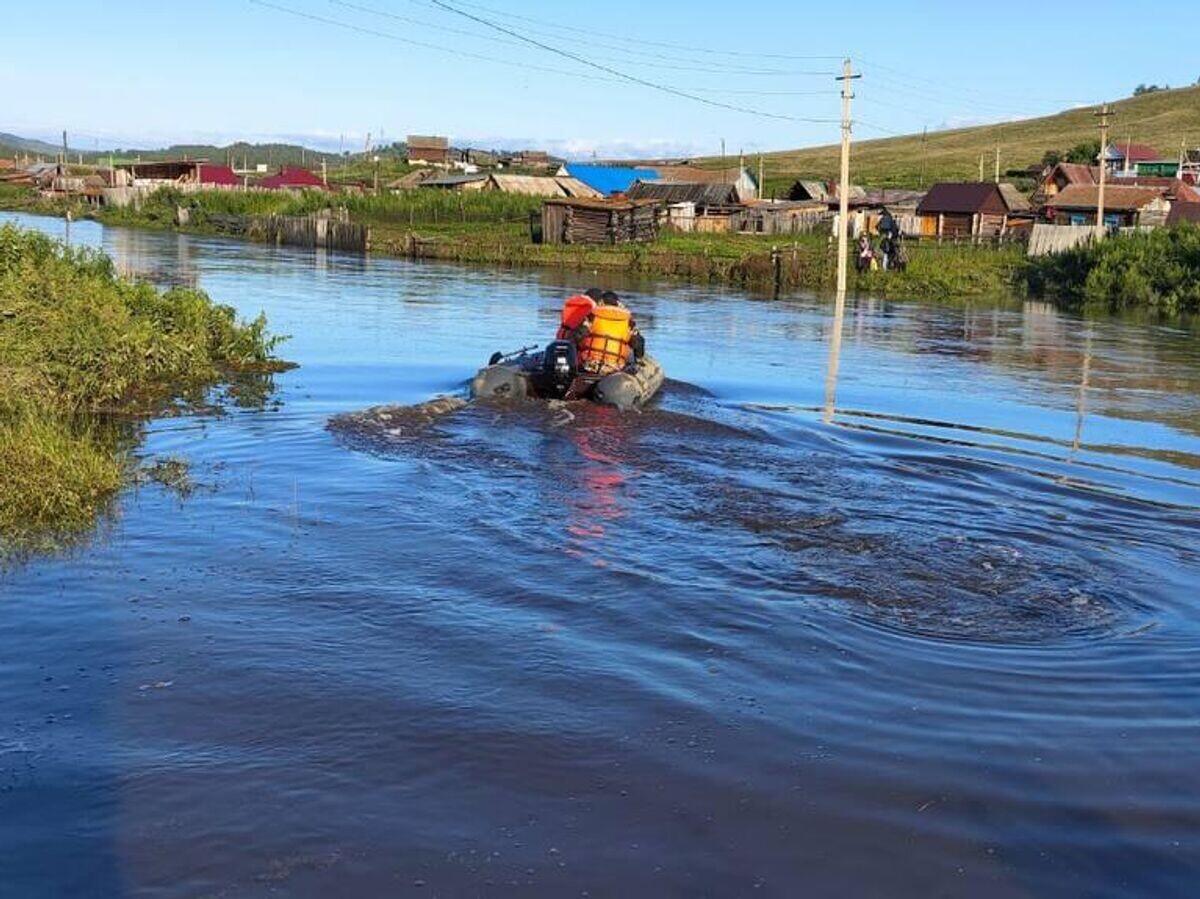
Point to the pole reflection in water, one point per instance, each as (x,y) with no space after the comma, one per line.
(1081,402)
(835,354)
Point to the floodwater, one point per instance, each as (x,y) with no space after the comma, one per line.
(932,631)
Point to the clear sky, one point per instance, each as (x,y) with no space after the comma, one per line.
(329,71)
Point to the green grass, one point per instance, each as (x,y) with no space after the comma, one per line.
(1161,119)
(1157,270)
(79,345)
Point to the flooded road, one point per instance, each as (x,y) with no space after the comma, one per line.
(940,637)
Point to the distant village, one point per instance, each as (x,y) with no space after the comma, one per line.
(617,203)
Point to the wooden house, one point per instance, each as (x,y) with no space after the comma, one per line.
(1123,206)
(427,149)
(736,176)
(1063,175)
(965,209)
(571,220)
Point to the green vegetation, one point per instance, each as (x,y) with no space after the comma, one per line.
(1160,118)
(1155,269)
(81,349)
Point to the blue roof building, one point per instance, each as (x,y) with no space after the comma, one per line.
(610,179)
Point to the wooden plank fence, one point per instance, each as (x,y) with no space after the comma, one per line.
(1047,240)
(313,231)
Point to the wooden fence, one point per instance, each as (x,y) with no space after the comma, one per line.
(1046,240)
(313,231)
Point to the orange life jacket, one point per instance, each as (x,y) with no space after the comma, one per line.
(606,347)
(574,311)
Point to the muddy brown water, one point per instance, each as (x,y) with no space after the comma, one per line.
(941,637)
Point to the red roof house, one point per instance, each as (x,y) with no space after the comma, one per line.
(292,178)
(217,175)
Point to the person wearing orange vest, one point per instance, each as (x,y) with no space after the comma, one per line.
(602,329)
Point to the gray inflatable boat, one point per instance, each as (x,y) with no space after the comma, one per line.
(553,374)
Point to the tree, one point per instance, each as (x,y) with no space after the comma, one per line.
(1051,158)
(1146,89)
(1085,153)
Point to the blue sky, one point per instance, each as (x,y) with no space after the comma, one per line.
(330,71)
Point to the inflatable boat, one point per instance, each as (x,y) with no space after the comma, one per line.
(554,374)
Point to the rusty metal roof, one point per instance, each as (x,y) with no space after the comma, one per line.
(1116,198)
(1184,212)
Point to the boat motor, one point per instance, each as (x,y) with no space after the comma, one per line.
(559,368)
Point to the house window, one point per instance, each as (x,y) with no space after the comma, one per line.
(1078,218)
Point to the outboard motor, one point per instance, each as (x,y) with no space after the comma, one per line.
(559,367)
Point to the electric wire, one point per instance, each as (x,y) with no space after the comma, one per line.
(633,79)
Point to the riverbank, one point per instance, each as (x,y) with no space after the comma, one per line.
(494,229)
(85,355)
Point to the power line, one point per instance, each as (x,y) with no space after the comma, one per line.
(657,60)
(633,79)
(591,34)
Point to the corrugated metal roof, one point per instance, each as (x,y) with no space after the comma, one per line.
(221,175)
(1014,199)
(961,198)
(1116,198)
(693,174)
(1075,172)
(1135,152)
(609,179)
(542,186)
(451,180)
(681,192)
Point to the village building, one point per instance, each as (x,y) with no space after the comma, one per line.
(1063,175)
(428,150)
(1183,212)
(610,179)
(700,195)
(540,186)
(967,209)
(181,173)
(292,178)
(1123,206)
(599,221)
(809,191)
(738,177)
(1125,157)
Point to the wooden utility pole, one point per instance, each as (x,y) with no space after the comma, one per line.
(762,188)
(997,162)
(1103,116)
(847,78)
(924,137)
(980,166)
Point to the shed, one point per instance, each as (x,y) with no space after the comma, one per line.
(1123,206)
(736,176)
(430,149)
(599,221)
(809,190)
(610,179)
(964,209)
(700,195)
(782,217)
(293,178)
(477,181)
(540,186)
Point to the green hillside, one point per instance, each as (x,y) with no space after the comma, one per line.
(1161,119)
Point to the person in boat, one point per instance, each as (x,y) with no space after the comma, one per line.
(605,335)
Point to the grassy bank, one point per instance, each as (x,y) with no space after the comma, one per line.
(1157,270)
(81,350)
(494,229)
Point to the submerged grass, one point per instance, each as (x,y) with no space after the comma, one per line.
(78,346)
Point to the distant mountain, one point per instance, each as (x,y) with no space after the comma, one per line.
(11,143)
(271,154)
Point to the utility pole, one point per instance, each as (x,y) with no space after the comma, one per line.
(997,162)
(980,166)
(924,137)
(847,78)
(762,189)
(1102,115)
